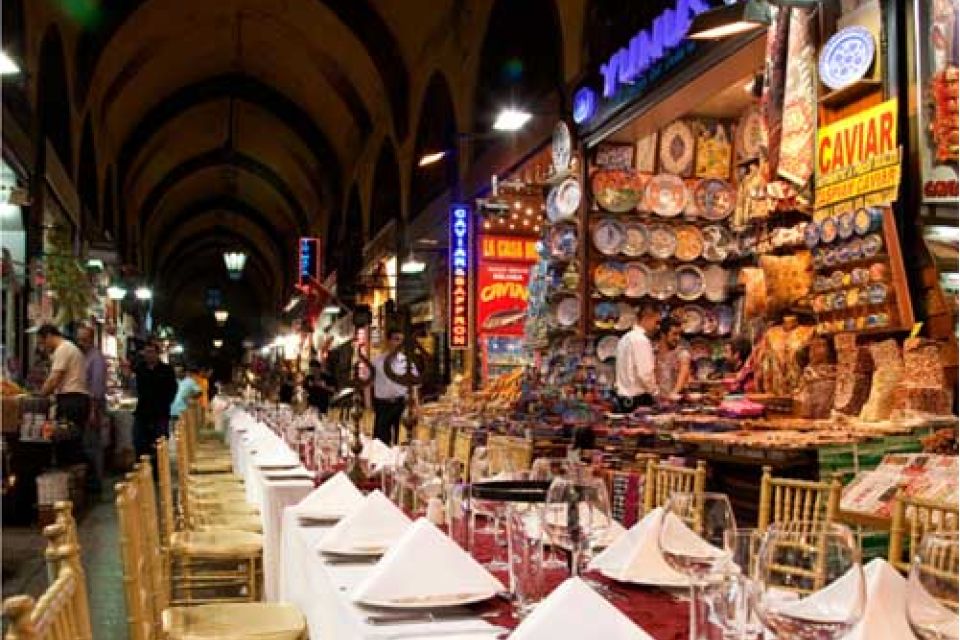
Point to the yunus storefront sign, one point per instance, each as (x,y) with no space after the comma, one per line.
(461,237)
(858,160)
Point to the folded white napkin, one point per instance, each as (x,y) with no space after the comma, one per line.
(574,610)
(425,567)
(374,525)
(332,500)
(378,454)
(276,458)
(636,557)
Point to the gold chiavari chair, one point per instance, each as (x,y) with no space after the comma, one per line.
(63,611)
(463,448)
(150,615)
(423,431)
(445,434)
(911,518)
(785,500)
(663,480)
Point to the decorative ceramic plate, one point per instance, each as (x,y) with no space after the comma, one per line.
(607,348)
(666,195)
(811,235)
(750,134)
(663,241)
(715,280)
(725,319)
(677,148)
(878,293)
(689,243)
(563,242)
(553,214)
(691,316)
(568,311)
(569,195)
(610,279)
(716,243)
(638,280)
(608,236)
(617,190)
(715,198)
(710,322)
(627,315)
(690,282)
(867,220)
(561,148)
(847,57)
(828,230)
(605,315)
(663,282)
(845,225)
(635,243)
(872,245)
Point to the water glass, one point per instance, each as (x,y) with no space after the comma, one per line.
(932,587)
(525,553)
(460,515)
(728,594)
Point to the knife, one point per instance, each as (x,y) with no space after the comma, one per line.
(420,618)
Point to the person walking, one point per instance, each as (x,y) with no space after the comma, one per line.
(389,398)
(67,382)
(156,389)
(96,376)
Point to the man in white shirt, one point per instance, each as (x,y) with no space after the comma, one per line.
(636,365)
(389,398)
(67,379)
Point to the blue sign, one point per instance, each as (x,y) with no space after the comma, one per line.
(308,267)
(584,104)
(461,246)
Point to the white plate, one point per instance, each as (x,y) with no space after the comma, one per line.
(568,198)
(847,57)
(561,148)
(365,550)
(650,581)
(320,516)
(430,602)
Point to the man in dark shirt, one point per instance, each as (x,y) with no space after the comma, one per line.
(156,389)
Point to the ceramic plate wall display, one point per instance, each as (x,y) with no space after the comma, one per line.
(715,199)
(635,243)
(725,318)
(878,272)
(847,57)
(715,280)
(638,280)
(663,241)
(666,195)
(568,311)
(617,190)
(828,230)
(663,282)
(716,243)
(689,243)
(872,245)
(610,279)
(811,235)
(677,144)
(605,315)
(627,315)
(563,242)
(690,282)
(569,195)
(710,322)
(845,225)
(691,316)
(607,348)
(608,236)
(561,149)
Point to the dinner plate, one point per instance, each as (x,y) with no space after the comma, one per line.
(846,57)
(626,315)
(691,317)
(608,236)
(635,241)
(617,190)
(811,235)
(663,241)
(689,243)
(828,230)
(716,243)
(867,220)
(664,581)
(569,195)
(638,280)
(715,280)
(690,282)
(666,195)
(663,282)
(568,311)
(715,199)
(607,347)
(432,601)
(610,279)
(845,225)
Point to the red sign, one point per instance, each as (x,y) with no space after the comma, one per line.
(502,297)
(508,249)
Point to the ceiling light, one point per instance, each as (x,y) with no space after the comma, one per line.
(529,211)
(176,349)
(221,315)
(518,205)
(217,343)
(331,309)
(95,263)
(411,265)
(235,261)
(143,293)
(7,66)
(116,293)
(730,20)
(431,158)
(265,350)
(510,119)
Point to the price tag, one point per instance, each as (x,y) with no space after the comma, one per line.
(916,329)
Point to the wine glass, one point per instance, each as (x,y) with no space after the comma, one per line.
(545,470)
(729,592)
(932,588)
(795,562)
(479,472)
(691,540)
(575,516)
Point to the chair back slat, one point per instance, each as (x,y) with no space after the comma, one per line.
(785,500)
(445,439)
(913,517)
(664,479)
(463,448)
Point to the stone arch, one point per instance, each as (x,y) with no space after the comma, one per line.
(436,131)
(353,241)
(53,97)
(385,201)
(87,187)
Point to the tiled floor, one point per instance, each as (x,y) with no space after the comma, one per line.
(24,570)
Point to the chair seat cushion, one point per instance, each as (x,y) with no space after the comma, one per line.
(211,466)
(240,621)
(235,522)
(216,506)
(214,543)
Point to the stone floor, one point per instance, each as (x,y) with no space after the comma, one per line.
(24,570)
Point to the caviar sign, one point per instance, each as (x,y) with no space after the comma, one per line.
(308,263)
(461,236)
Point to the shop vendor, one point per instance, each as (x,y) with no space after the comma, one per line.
(636,364)
(673,360)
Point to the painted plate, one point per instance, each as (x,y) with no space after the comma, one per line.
(710,322)
(845,225)
(689,243)
(608,236)
(607,348)
(828,230)
(666,195)
(569,195)
(610,279)
(690,282)
(635,243)
(605,315)
(617,190)
(677,144)
(553,213)
(811,235)
(568,311)
(724,319)
(638,280)
(715,279)
(563,242)
(561,148)
(663,282)
(663,241)
(716,243)
(715,198)
(847,57)
(872,245)
(627,315)
(691,316)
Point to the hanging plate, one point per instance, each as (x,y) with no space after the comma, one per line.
(715,198)
(663,241)
(561,149)
(617,190)
(847,57)
(638,280)
(689,243)
(635,243)
(608,236)
(677,148)
(690,282)
(666,195)
(610,279)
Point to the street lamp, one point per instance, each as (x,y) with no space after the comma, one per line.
(143,293)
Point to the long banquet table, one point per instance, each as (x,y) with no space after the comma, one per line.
(295,572)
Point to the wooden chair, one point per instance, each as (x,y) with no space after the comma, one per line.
(663,480)
(785,500)
(62,612)
(911,518)
(149,614)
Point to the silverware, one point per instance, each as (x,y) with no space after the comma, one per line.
(419,617)
(351,561)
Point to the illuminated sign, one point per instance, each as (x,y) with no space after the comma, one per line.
(584,104)
(650,45)
(308,267)
(508,249)
(459,286)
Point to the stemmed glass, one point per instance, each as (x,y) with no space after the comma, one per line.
(691,541)
(729,594)
(576,516)
(800,559)
(479,472)
(545,470)
(932,587)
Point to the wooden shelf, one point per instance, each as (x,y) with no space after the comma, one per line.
(850,93)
